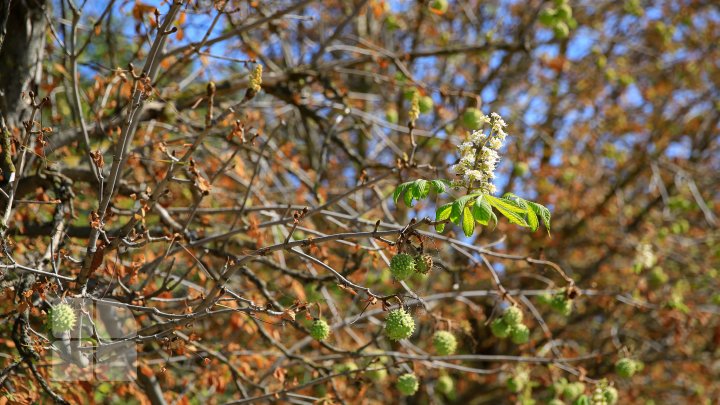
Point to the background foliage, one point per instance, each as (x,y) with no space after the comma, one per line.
(228,218)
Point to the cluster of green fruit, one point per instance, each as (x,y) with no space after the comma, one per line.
(559,18)
(559,303)
(627,367)
(575,394)
(403,265)
(510,324)
(604,396)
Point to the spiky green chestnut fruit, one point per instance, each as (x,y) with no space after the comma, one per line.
(426,104)
(423,263)
(499,328)
(626,368)
(611,395)
(561,304)
(445,384)
(319,330)
(598,397)
(62,318)
(399,325)
(519,334)
(444,342)
(407,384)
(573,390)
(402,266)
(376,375)
(513,316)
(472,119)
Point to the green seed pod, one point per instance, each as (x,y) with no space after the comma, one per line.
(472,119)
(399,325)
(625,367)
(423,263)
(407,384)
(611,395)
(444,384)
(573,390)
(319,330)
(402,266)
(499,328)
(391,115)
(556,401)
(519,334)
(444,342)
(62,318)
(561,304)
(513,316)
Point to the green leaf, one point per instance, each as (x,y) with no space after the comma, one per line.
(542,212)
(408,197)
(482,211)
(421,189)
(442,213)
(440,186)
(513,217)
(468,222)
(507,205)
(532,220)
(530,216)
(458,206)
(400,190)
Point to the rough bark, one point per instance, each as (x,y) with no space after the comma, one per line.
(20,55)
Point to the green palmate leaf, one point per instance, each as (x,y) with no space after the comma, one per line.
(440,186)
(507,205)
(468,222)
(532,220)
(542,212)
(408,197)
(530,215)
(420,189)
(442,213)
(482,211)
(458,206)
(400,190)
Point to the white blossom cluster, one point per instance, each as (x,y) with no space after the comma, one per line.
(479,156)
